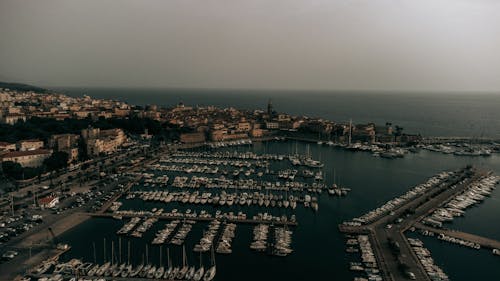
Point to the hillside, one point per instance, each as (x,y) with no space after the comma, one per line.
(22,87)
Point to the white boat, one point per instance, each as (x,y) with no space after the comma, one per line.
(210,274)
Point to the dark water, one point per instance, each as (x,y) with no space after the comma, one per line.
(318,246)
(431,114)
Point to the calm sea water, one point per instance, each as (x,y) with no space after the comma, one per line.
(318,246)
(443,114)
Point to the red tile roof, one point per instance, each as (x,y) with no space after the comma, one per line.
(26,153)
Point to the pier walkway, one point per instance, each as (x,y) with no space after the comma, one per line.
(117,278)
(411,212)
(170,217)
(483,241)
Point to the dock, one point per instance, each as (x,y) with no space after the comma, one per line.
(480,240)
(126,189)
(203,219)
(117,278)
(416,209)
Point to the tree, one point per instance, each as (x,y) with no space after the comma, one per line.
(56,161)
(12,169)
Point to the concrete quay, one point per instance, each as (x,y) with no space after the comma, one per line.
(384,237)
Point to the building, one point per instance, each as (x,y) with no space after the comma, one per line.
(99,141)
(244,126)
(66,143)
(48,202)
(5,146)
(12,118)
(257,133)
(26,145)
(272,125)
(192,137)
(29,158)
(63,141)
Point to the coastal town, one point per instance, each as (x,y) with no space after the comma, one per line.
(67,160)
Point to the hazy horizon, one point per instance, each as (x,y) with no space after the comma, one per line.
(359,45)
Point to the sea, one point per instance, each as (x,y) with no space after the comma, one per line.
(319,249)
(430,114)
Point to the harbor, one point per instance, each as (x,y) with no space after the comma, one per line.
(247,242)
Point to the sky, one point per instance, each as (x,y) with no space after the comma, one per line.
(393,45)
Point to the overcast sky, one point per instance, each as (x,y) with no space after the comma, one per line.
(414,45)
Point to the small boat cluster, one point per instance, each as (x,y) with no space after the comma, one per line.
(283,240)
(368,262)
(109,271)
(379,151)
(228,199)
(260,234)
(296,160)
(226,239)
(182,233)
(126,228)
(462,149)
(338,191)
(244,184)
(473,195)
(145,226)
(216,162)
(424,255)
(207,240)
(230,155)
(393,204)
(162,235)
(229,143)
(458,241)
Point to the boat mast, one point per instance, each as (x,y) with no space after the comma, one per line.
(104,248)
(119,249)
(95,256)
(350,131)
(169,262)
(128,252)
(160,253)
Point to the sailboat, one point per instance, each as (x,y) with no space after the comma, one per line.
(200,272)
(185,268)
(168,272)
(210,274)
(331,191)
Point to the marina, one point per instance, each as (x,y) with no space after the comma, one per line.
(242,244)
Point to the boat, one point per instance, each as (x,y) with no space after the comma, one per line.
(136,271)
(45,266)
(210,273)
(182,272)
(159,272)
(200,272)
(102,269)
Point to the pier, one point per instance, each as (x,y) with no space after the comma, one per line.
(203,219)
(480,240)
(117,278)
(411,212)
(119,194)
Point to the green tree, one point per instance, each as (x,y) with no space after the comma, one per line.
(56,161)
(12,170)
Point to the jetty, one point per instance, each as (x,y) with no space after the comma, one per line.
(390,246)
(203,219)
